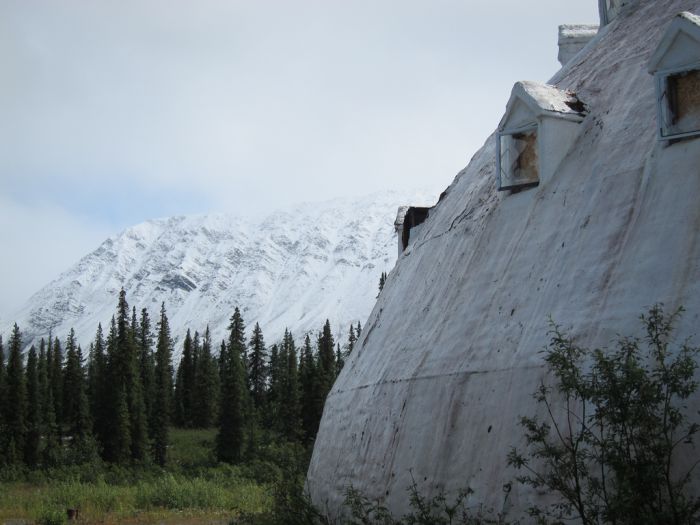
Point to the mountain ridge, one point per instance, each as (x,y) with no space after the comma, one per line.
(290,269)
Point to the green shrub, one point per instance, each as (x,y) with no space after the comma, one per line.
(610,454)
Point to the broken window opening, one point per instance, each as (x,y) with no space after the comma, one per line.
(518,159)
(679,101)
(414,217)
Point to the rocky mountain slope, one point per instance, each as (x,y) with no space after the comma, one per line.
(294,269)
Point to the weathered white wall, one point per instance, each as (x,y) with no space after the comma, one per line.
(555,139)
(449,357)
(572,39)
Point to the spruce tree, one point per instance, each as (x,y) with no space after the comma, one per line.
(86,448)
(275,389)
(222,357)
(326,357)
(234,398)
(339,360)
(16,391)
(163,389)
(184,384)
(144,343)
(358,330)
(308,378)
(97,387)
(178,392)
(352,339)
(43,380)
(3,395)
(196,355)
(290,413)
(51,453)
(122,427)
(207,385)
(72,381)
(325,373)
(126,380)
(257,368)
(56,380)
(116,429)
(77,412)
(33,440)
(382,281)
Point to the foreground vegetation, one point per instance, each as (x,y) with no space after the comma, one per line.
(123,434)
(615,423)
(193,487)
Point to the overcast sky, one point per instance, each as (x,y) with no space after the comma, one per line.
(114,112)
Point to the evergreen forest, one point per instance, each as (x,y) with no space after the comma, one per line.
(119,405)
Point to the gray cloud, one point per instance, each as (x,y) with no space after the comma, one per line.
(244,106)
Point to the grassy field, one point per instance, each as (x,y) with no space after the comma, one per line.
(192,489)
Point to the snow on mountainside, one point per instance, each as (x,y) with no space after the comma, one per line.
(294,268)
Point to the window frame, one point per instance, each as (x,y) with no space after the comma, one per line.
(661,78)
(534,126)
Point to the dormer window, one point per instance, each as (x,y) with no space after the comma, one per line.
(519,167)
(408,218)
(676,68)
(540,125)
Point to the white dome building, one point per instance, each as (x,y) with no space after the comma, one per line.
(599,219)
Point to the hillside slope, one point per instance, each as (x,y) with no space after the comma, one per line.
(292,269)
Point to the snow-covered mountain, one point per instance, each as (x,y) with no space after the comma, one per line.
(295,268)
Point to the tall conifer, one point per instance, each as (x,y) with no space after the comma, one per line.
(127,380)
(56,381)
(206,385)
(184,384)
(257,367)
(291,398)
(352,339)
(163,389)
(31,448)
(144,343)
(72,381)
(275,389)
(43,380)
(308,378)
(98,383)
(51,453)
(339,360)
(16,391)
(234,398)
(77,412)
(3,395)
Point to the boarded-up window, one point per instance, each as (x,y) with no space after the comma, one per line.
(519,164)
(681,103)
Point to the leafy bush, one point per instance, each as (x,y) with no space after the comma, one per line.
(610,456)
(438,510)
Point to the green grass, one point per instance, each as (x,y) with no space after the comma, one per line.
(191,448)
(192,488)
(196,496)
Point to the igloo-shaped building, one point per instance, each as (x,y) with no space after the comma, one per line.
(450,356)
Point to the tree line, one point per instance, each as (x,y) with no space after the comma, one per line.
(58,406)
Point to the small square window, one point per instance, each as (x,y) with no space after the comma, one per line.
(519,163)
(680,104)
(676,71)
